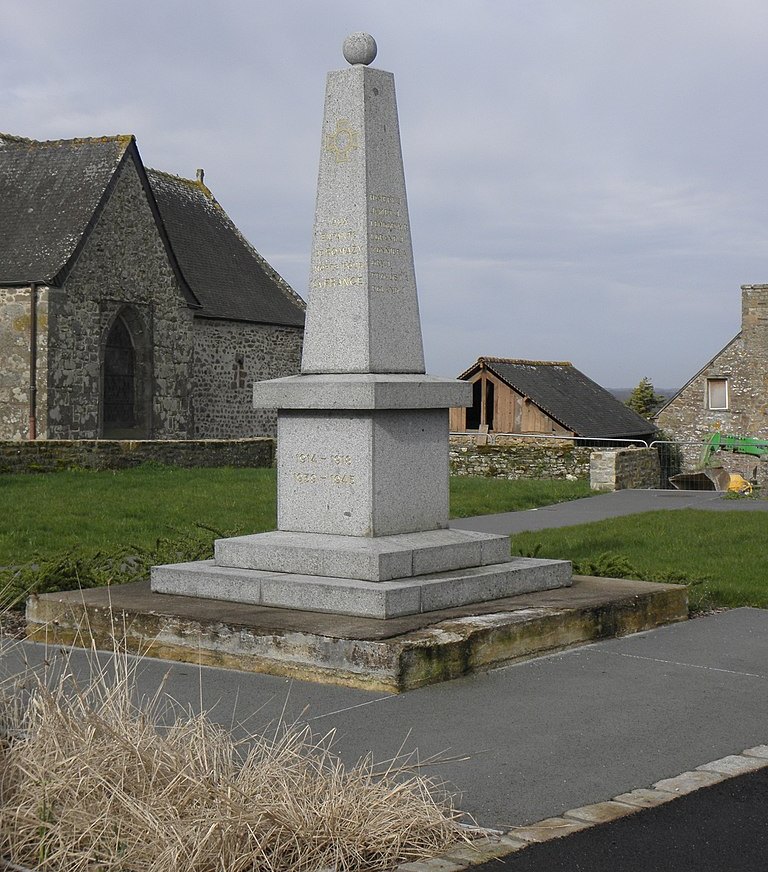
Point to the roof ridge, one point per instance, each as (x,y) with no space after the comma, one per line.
(123,138)
(177,178)
(11,137)
(520,362)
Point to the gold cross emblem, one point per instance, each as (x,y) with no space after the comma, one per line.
(341,141)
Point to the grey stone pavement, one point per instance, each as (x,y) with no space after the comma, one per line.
(530,740)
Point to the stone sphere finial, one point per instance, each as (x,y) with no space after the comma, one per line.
(359,48)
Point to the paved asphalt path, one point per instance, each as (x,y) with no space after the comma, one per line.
(612,505)
(533,739)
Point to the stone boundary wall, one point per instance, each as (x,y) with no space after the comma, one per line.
(519,459)
(51,455)
(624,468)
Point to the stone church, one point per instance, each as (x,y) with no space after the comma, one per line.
(131,306)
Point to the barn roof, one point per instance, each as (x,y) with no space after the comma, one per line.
(566,395)
(52,194)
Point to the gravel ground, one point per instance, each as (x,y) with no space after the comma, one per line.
(12,623)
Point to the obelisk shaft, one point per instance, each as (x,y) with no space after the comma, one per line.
(363,313)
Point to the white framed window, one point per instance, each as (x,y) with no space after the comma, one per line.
(717,393)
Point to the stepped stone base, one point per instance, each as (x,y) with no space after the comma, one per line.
(376,577)
(380,558)
(372,599)
(391,656)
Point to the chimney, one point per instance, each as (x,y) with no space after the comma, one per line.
(754,310)
(200,175)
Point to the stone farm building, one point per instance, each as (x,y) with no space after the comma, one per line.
(544,398)
(130,304)
(730,392)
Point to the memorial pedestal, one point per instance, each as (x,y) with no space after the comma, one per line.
(362,437)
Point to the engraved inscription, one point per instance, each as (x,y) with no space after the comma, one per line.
(323,469)
(388,235)
(336,257)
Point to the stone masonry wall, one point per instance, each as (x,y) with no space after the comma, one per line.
(123,261)
(520,460)
(53,455)
(229,358)
(624,468)
(15,338)
(744,363)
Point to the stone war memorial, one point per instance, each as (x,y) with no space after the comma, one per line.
(363,582)
(362,440)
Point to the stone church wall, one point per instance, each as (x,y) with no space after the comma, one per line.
(123,261)
(229,357)
(196,375)
(15,323)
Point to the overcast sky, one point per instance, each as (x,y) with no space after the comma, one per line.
(586,178)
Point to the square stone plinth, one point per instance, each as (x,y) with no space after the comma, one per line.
(369,559)
(362,473)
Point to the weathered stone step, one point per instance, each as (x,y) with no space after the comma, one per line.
(394,655)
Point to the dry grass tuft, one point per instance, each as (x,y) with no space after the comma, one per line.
(91,780)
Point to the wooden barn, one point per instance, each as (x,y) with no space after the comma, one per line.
(543,397)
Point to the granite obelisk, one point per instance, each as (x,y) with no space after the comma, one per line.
(362,440)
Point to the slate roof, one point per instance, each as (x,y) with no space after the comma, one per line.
(567,396)
(51,195)
(228,276)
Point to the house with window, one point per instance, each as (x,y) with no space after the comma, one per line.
(550,398)
(131,306)
(730,392)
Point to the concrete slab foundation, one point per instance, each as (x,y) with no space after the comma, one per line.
(395,655)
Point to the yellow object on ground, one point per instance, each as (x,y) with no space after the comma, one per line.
(739,484)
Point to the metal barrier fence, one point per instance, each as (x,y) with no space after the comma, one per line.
(587,442)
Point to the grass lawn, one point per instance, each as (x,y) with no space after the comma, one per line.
(54,512)
(49,513)
(80,527)
(725,552)
(489,496)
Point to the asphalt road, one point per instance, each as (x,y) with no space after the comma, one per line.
(716,829)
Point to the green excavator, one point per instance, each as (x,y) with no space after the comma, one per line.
(709,476)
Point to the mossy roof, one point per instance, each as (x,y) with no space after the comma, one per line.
(228,276)
(51,194)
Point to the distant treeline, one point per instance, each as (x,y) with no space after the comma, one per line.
(623,394)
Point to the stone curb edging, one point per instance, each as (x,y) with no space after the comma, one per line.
(494,844)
